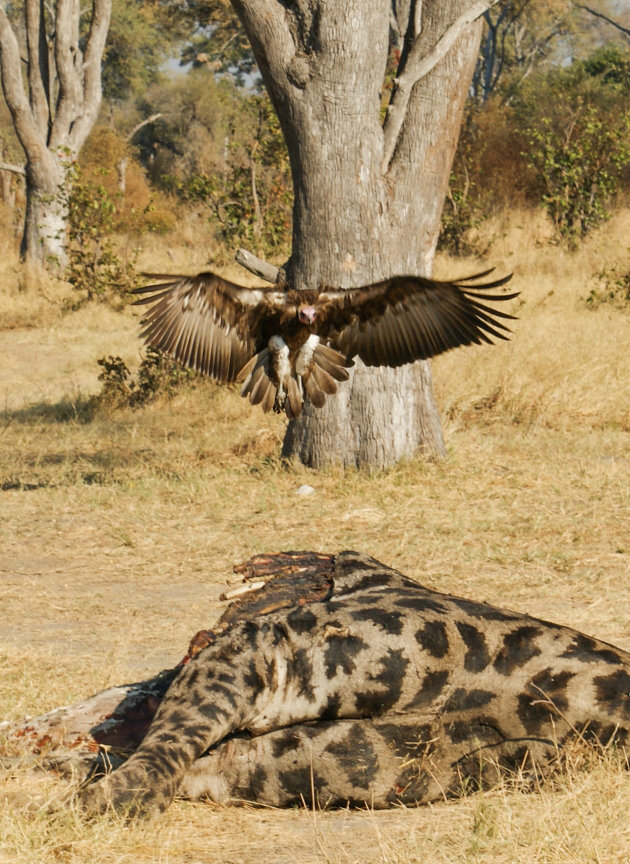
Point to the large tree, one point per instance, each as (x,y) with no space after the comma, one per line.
(54,113)
(369,183)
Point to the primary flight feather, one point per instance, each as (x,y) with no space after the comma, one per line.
(282,345)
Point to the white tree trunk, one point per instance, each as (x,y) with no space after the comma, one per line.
(368,194)
(44,236)
(52,122)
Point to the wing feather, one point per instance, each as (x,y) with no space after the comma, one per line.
(411,318)
(206,322)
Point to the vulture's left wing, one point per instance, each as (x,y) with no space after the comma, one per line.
(206,322)
(411,318)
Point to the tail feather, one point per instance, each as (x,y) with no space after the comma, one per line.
(269,397)
(316,395)
(293,404)
(251,372)
(252,380)
(259,386)
(324,381)
(334,356)
(248,368)
(335,366)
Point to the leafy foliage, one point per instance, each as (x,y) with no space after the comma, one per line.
(158,375)
(218,41)
(613,289)
(463,209)
(562,142)
(94,268)
(579,166)
(140,38)
(519,37)
(251,198)
(577,125)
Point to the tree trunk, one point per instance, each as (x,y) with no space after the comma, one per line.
(55,113)
(368,195)
(379,417)
(44,236)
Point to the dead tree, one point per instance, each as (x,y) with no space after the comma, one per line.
(369,185)
(55,112)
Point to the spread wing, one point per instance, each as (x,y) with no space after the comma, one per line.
(411,318)
(206,322)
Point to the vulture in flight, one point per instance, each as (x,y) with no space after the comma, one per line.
(284,344)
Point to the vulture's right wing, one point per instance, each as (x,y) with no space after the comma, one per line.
(206,322)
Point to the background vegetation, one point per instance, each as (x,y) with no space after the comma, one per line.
(547,127)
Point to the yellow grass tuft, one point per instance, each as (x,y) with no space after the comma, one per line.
(565,363)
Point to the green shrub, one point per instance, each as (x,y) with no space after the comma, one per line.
(158,375)
(251,200)
(613,289)
(94,268)
(576,123)
(579,165)
(464,208)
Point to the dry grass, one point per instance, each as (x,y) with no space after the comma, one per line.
(119,531)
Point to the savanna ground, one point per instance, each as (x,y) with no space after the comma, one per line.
(119,531)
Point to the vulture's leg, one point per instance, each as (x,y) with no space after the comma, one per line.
(279,371)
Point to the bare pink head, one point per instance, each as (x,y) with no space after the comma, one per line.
(307,314)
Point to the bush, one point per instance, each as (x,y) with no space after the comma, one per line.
(158,375)
(94,268)
(251,199)
(613,289)
(580,165)
(577,126)
(463,208)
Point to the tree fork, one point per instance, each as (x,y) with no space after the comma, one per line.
(367,197)
(52,122)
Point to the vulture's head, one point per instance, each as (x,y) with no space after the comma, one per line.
(307,314)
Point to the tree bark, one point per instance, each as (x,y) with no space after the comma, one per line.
(55,113)
(368,194)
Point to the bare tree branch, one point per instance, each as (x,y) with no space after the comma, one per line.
(92,85)
(267,25)
(66,55)
(38,76)
(417,67)
(11,71)
(14,169)
(257,266)
(608,20)
(142,124)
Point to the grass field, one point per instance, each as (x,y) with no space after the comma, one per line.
(119,531)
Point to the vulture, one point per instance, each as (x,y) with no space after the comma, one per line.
(282,345)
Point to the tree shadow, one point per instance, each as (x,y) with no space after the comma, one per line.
(82,409)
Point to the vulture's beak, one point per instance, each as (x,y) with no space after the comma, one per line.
(307,314)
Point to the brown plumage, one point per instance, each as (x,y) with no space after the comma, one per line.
(283,345)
